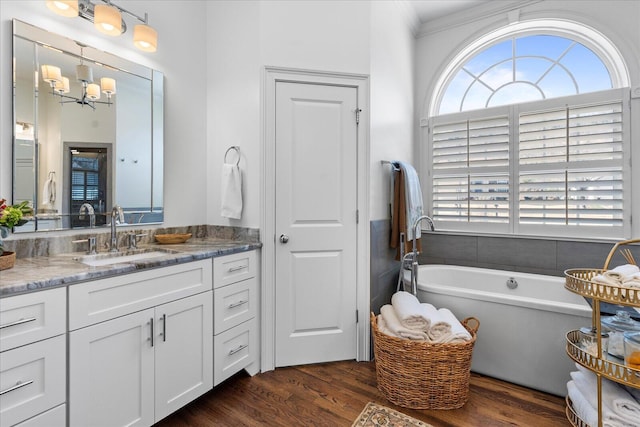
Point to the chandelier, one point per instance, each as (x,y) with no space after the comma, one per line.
(84,74)
(107,18)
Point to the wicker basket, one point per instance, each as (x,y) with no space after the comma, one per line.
(423,375)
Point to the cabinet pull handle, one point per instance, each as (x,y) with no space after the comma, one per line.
(151,323)
(17,322)
(237,349)
(18,385)
(238,268)
(164,327)
(237,304)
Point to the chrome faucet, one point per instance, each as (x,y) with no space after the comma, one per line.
(414,254)
(86,207)
(116,214)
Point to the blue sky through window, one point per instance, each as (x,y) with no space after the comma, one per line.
(524,69)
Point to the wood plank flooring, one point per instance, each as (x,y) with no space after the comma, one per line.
(334,394)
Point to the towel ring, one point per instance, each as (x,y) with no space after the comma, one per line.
(237,150)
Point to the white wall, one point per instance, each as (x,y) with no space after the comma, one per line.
(181,56)
(360,37)
(392,99)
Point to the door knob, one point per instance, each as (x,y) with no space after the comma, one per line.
(284,238)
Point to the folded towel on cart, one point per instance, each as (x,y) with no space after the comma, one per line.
(617,403)
(410,312)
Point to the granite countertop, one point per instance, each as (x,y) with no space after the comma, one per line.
(33,274)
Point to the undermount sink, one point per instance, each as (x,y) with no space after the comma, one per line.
(122,257)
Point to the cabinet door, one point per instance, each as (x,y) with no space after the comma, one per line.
(184,352)
(111,372)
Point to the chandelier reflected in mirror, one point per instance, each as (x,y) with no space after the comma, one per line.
(90,91)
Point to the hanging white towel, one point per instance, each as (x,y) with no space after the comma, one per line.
(49,190)
(231,186)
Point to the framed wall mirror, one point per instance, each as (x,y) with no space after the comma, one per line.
(88,133)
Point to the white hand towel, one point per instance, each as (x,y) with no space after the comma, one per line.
(392,323)
(49,191)
(616,401)
(409,311)
(231,187)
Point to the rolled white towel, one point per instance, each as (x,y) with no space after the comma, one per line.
(409,311)
(392,323)
(604,279)
(632,281)
(458,331)
(440,330)
(382,327)
(622,272)
(616,401)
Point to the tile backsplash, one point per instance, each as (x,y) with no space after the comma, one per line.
(48,244)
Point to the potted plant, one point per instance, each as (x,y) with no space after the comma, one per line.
(10,216)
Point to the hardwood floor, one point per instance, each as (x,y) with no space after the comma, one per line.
(334,394)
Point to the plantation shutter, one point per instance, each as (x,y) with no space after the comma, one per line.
(571,163)
(470,170)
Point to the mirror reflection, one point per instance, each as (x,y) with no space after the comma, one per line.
(88,133)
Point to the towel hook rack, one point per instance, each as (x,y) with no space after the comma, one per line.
(237,150)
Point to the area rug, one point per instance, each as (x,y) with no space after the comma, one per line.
(374,415)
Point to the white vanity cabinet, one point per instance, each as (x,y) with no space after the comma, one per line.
(140,345)
(236,340)
(33,359)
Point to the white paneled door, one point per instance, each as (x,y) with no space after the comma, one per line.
(315,223)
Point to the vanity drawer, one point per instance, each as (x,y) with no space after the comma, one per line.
(32,379)
(56,417)
(234,350)
(234,304)
(233,268)
(32,317)
(104,299)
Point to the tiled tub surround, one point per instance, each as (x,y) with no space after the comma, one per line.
(528,255)
(56,265)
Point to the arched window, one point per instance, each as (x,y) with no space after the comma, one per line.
(529,135)
(521,69)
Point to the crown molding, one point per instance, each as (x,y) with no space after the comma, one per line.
(485,10)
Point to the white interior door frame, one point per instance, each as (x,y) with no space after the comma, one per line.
(272,75)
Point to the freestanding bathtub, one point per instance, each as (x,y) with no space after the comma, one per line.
(523,320)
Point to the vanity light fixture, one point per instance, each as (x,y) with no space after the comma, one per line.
(107,18)
(64,7)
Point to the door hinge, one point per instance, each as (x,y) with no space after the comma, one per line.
(357,216)
(358,110)
(357,317)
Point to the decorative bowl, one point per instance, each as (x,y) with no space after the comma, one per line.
(166,239)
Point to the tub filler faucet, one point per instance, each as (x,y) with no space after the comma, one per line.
(413,256)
